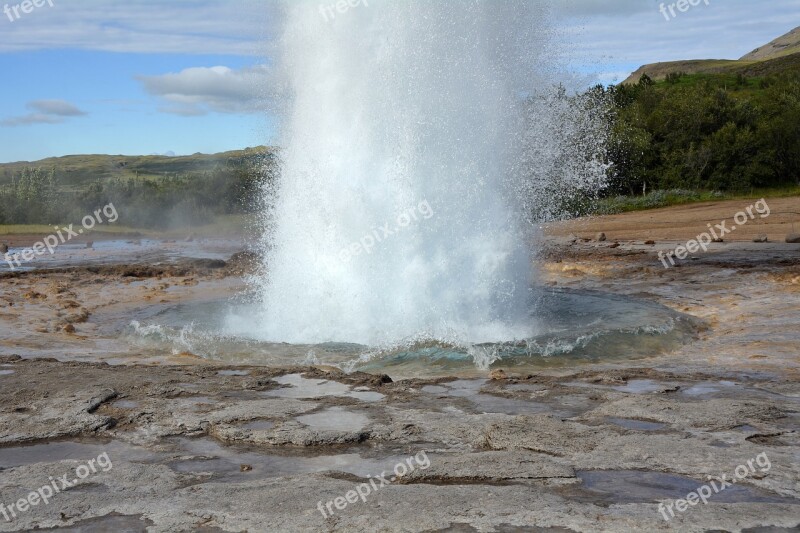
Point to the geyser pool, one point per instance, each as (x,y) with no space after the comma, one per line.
(574,326)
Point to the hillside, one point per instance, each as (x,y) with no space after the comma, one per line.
(772,58)
(151,191)
(659,71)
(80,170)
(782,46)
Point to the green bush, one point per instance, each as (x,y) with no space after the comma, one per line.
(705,132)
(656,199)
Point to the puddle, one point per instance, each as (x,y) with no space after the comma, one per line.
(6,372)
(462,388)
(731,389)
(124,251)
(126,404)
(638,425)
(258,425)
(367,396)
(224,462)
(72,450)
(304,388)
(608,487)
(234,373)
(489,403)
(634,386)
(465,387)
(640,386)
(747,428)
(243,395)
(526,387)
(127,523)
(708,387)
(700,389)
(334,419)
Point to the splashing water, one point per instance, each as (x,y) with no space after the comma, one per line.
(402,214)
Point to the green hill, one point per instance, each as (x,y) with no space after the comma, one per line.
(150,191)
(782,46)
(773,58)
(78,171)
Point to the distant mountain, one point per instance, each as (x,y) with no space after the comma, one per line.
(777,56)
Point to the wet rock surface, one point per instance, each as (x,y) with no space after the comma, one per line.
(197,446)
(224,449)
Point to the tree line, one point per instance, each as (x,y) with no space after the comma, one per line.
(705,133)
(34,196)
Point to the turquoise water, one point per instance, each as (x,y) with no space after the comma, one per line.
(572,327)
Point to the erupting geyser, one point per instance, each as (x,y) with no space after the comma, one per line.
(401,213)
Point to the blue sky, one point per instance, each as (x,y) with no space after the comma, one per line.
(186,76)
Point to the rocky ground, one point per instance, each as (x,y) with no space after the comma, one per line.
(255,449)
(195,446)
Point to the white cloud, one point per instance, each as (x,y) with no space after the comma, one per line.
(233,27)
(30,118)
(44,112)
(60,108)
(609,34)
(199,90)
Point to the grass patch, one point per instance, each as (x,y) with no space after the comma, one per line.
(667,198)
(223,226)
